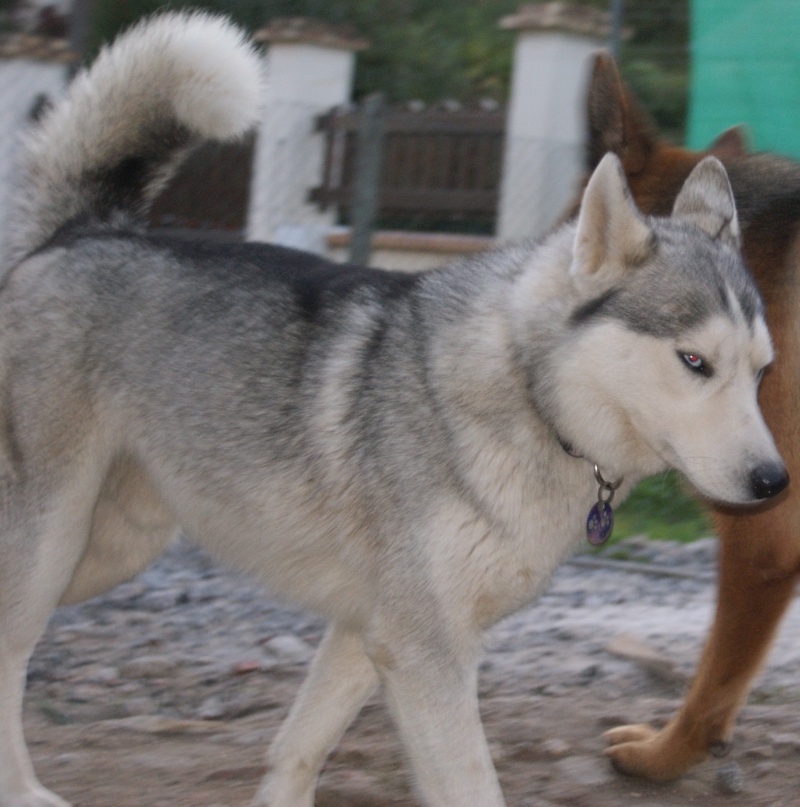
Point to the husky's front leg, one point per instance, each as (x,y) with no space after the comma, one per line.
(340,680)
(434,697)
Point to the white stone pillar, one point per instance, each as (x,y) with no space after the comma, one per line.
(33,70)
(545,130)
(309,67)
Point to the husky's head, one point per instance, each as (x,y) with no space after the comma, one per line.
(667,341)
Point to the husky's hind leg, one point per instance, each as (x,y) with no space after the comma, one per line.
(18,635)
(18,784)
(340,680)
(131,527)
(32,575)
(90,537)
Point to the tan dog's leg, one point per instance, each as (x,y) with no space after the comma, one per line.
(753,595)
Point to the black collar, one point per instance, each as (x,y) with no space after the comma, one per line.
(568,447)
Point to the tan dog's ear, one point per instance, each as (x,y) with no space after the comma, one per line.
(606,110)
(612,236)
(616,122)
(731,144)
(706,200)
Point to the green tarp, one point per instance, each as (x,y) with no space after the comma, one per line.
(746,69)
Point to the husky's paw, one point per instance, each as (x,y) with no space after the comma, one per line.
(640,750)
(272,794)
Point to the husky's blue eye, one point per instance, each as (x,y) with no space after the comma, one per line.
(695,363)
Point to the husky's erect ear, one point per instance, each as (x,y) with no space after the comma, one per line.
(611,234)
(706,200)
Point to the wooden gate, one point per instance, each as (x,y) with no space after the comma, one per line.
(440,169)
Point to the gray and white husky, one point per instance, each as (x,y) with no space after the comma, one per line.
(409,454)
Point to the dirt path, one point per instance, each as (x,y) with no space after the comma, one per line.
(167,691)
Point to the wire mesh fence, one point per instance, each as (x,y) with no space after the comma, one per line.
(432,180)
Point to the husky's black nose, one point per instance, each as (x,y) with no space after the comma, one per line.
(768,480)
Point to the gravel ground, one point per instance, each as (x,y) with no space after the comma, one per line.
(166,691)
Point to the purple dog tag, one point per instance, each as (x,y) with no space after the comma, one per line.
(599,523)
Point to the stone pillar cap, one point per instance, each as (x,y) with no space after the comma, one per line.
(35,47)
(558,16)
(308,31)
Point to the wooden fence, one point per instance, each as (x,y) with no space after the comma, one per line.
(210,193)
(440,169)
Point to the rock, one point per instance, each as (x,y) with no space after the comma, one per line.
(148,667)
(85,693)
(730,779)
(585,771)
(764,768)
(246,667)
(107,711)
(555,748)
(156,724)
(237,774)
(784,740)
(629,647)
(160,600)
(104,675)
(72,759)
(139,706)
(289,648)
(212,708)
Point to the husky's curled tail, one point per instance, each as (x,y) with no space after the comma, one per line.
(108,148)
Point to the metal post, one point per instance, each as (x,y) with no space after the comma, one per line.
(78,32)
(617,10)
(367,177)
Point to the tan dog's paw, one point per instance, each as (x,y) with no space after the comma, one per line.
(631,751)
(640,750)
(637,732)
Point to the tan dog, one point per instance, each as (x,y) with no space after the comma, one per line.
(759,549)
